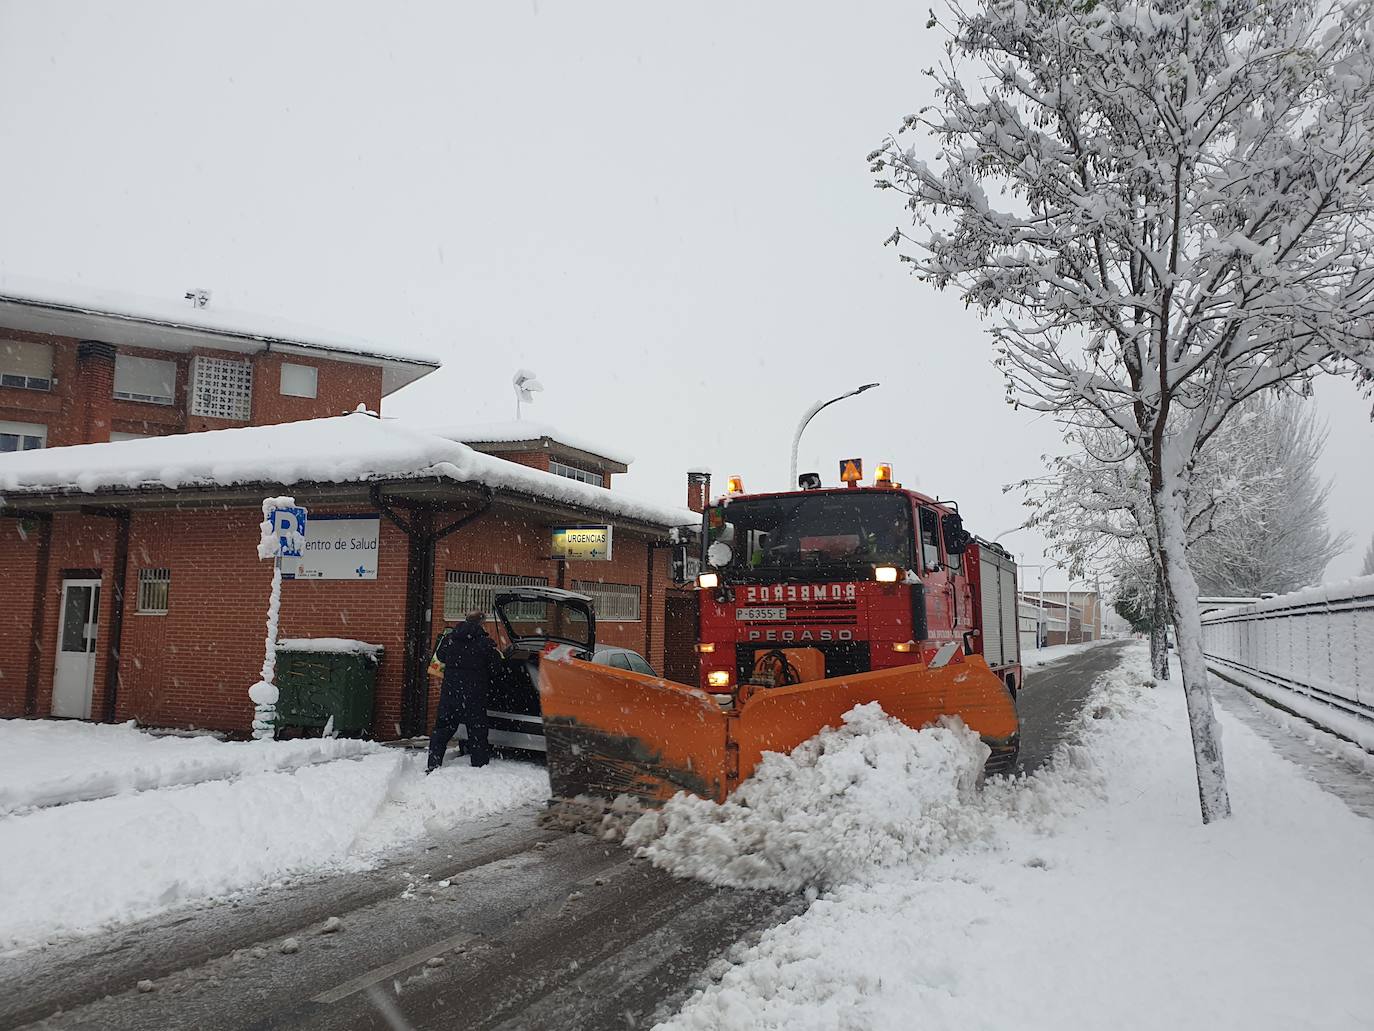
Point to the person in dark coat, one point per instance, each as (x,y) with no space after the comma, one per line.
(471,662)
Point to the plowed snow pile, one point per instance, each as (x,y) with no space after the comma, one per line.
(872,793)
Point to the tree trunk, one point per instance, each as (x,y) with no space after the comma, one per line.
(1211,772)
(1159,629)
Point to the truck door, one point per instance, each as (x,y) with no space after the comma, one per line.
(935,575)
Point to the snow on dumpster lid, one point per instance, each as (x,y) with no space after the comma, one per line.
(333,645)
(513,432)
(355,448)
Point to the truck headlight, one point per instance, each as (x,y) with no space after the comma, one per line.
(885,574)
(707,581)
(718,678)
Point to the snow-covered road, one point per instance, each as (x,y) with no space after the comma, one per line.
(170,822)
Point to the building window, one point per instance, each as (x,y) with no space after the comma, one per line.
(22,436)
(573,473)
(466,592)
(145,379)
(299,380)
(26,365)
(612,603)
(154,588)
(121,435)
(221,388)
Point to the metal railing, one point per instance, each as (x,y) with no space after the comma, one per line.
(1311,652)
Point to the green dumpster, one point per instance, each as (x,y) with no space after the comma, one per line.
(327,677)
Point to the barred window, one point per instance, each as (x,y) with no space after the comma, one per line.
(154,589)
(612,603)
(573,473)
(221,388)
(466,592)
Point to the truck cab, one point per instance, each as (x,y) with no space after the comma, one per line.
(819,583)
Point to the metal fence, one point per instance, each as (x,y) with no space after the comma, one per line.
(1311,652)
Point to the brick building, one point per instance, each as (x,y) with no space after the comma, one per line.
(73,375)
(133,589)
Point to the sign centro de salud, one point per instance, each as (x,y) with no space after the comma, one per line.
(582,543)
(337,547)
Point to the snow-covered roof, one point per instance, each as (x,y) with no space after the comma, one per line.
(521,431)
(356,448)
(175,325)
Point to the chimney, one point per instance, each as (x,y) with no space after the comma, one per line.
(698,489)
(94,393)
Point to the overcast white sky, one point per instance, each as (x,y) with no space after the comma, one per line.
(661,209)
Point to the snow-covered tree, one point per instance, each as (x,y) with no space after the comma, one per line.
(1368,568)
(1094,508)
(1168,204)
(1280,540)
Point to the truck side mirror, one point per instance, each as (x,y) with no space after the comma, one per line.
(956,537)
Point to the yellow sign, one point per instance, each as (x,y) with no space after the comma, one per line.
(582,543)
(851,470)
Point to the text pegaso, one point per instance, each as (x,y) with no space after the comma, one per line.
(774,634)
(800,592)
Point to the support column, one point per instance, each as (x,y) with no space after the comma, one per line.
(95,368)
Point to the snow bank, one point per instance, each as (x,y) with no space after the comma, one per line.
(47,762)
(1097,899)
(872,793)
(76,868)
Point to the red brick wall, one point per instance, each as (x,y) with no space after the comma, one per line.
(341,387)
(55,409)
(18,563)
(192,667)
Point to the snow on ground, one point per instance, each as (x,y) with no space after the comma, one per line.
(1034,657)
(871,793)
(47,762)
(72,869)
(1092,897)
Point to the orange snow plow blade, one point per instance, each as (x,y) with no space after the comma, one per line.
(610,732)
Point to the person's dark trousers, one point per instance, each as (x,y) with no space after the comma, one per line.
(475,716)
(467,708)
(445,726)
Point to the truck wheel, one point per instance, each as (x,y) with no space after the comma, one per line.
(1003,761)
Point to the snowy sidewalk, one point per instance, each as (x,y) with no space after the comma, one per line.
(48,762)
(1090,896)
(199,820)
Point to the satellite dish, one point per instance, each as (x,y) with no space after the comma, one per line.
(526,385)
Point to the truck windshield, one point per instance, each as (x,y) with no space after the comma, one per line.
(807,535)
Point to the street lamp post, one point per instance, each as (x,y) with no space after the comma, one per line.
(811,413)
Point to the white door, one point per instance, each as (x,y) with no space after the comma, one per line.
(74,676)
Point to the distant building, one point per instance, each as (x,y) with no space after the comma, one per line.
(1069,617)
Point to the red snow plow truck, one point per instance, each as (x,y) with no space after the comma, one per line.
(810,602)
